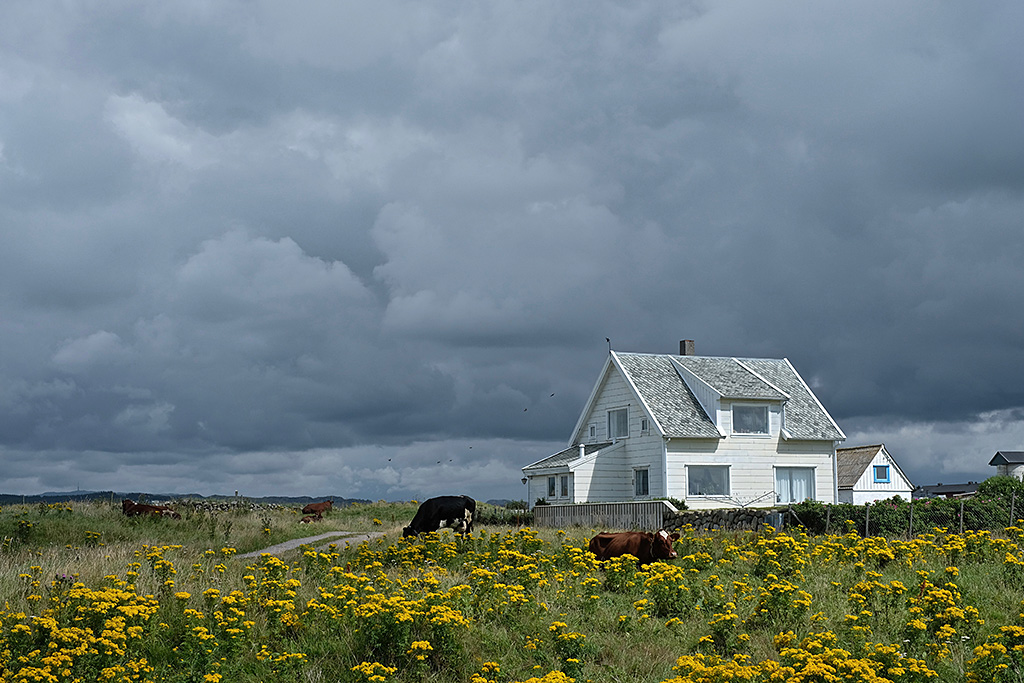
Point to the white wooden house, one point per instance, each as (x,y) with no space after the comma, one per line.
(1008,464)
(713,431)
(870,473)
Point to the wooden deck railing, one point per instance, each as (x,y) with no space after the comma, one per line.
(647,515)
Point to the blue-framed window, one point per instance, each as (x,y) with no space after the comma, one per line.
(881,474)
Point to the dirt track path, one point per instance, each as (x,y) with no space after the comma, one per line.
(351,537)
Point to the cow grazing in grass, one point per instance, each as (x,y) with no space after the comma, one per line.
(646,547)
(309,519)
(454,512)
(318,508)
(132,509)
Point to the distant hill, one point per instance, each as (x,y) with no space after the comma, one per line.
(117,496)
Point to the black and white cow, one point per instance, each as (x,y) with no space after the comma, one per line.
(454,512)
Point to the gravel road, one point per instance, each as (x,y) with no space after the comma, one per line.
(351,537)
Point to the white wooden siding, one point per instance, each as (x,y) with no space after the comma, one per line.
(608,476)
(867,490)
(614,393)
(1016,471)
(752,463)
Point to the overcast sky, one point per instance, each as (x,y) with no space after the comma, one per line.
(374,249)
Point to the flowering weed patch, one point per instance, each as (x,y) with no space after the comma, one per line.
(522,606)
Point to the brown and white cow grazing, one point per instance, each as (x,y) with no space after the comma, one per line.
(454,512)
(646,547)
(309,519)
(132,509)
(318,508)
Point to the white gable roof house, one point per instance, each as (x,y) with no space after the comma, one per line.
(1008,464)
(869,473)
(715,432)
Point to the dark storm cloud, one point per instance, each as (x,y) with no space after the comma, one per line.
(249,246)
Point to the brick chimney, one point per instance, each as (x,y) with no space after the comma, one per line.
(687,348)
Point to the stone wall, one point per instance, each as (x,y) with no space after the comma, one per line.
(732,518)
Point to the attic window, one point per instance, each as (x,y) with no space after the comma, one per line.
(881,474)
(593,432)
(749,419)
(618,423)
(645,426)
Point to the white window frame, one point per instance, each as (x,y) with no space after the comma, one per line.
(645,426)
(551,487)
(637,493)
(690,481)
(593,432)
(759,406)
(789,471)
(613,434)
(563,483)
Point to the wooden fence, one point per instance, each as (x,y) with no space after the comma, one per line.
(647,515)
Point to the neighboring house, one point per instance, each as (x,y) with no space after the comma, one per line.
(870,473)
(947,490)
(715,432)
(1008,464)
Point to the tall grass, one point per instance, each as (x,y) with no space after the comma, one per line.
(506,604)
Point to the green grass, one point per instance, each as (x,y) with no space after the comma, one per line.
(626,639)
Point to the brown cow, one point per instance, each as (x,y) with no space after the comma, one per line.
(132,509)
(646,547)
(308,519)
(318,508)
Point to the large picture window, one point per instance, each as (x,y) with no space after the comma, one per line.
(618,423)
(794,484)
(749,419)
(707,480)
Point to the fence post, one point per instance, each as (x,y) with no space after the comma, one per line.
(828,518)
(910,532)
(1013,510)
(961,516)
(867,519)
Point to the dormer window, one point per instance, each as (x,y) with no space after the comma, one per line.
(749,419)
(618,423)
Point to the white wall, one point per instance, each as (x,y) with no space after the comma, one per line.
(752,461)
(1016,471)
(867,490)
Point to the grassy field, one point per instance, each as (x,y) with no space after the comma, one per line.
(91,595)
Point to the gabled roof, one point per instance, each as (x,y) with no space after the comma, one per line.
(851,463)
(1007,458)
(565,457)
(677,413)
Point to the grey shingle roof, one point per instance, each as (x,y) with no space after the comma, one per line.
(672,403)
(851,463)
(805,417)
(566,456)
(676,409)
(729,378)
(1007,458)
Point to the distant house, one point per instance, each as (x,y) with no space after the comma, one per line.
(713,431)
(947,490)
(870,473)
(1008,464)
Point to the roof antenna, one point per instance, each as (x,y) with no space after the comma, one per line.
(609,344)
